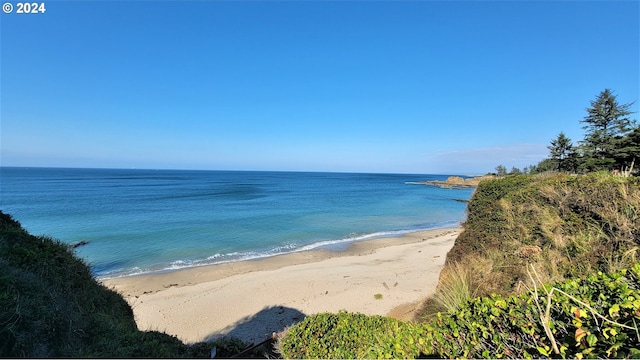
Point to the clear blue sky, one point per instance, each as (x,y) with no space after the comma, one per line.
(357,86)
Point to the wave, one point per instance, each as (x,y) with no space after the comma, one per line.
(279,250)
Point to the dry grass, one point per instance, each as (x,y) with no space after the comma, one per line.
(458,283)
(616,262)
(454,288)
(562,225)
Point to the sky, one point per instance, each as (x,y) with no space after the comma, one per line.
(423,87)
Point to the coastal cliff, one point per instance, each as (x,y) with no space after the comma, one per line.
(52,306)
(541,263)
(564,225)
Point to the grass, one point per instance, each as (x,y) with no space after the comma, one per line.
(563,225)
(454,288)
(51,306)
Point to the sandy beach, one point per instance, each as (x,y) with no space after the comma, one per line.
(252,299)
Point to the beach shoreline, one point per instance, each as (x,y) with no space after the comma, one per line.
(251,299)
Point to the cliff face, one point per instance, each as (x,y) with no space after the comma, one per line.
(566,226)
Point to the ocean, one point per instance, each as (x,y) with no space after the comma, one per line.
(141,221)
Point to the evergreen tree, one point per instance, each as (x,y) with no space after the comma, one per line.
(611,142)
(627,150)
(501,170)
(544,166)
(561,152)
(515,171)
(606,121)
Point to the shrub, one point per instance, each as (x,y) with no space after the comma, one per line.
(51,306)
(453,288)
(595,316)
(351,335)
(567,225)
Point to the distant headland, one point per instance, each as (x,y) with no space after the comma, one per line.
(456,182)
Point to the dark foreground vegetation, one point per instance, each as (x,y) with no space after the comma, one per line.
(51,306)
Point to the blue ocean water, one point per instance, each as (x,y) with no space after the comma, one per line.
(138,221)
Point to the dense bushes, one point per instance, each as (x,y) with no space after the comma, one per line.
(51,306)
(565,225)
(352,335)
(596,316)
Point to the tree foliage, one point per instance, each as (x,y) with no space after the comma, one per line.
(501,170)
(605,120)
(611,140)
(562,152)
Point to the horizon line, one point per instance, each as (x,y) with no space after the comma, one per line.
(233,170)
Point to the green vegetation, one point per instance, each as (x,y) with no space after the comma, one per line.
(352,336)
(51,306)
(566,226)
(607,128)
(453,287)
(562,153)
(611,143)
(580,233)
(596,316)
